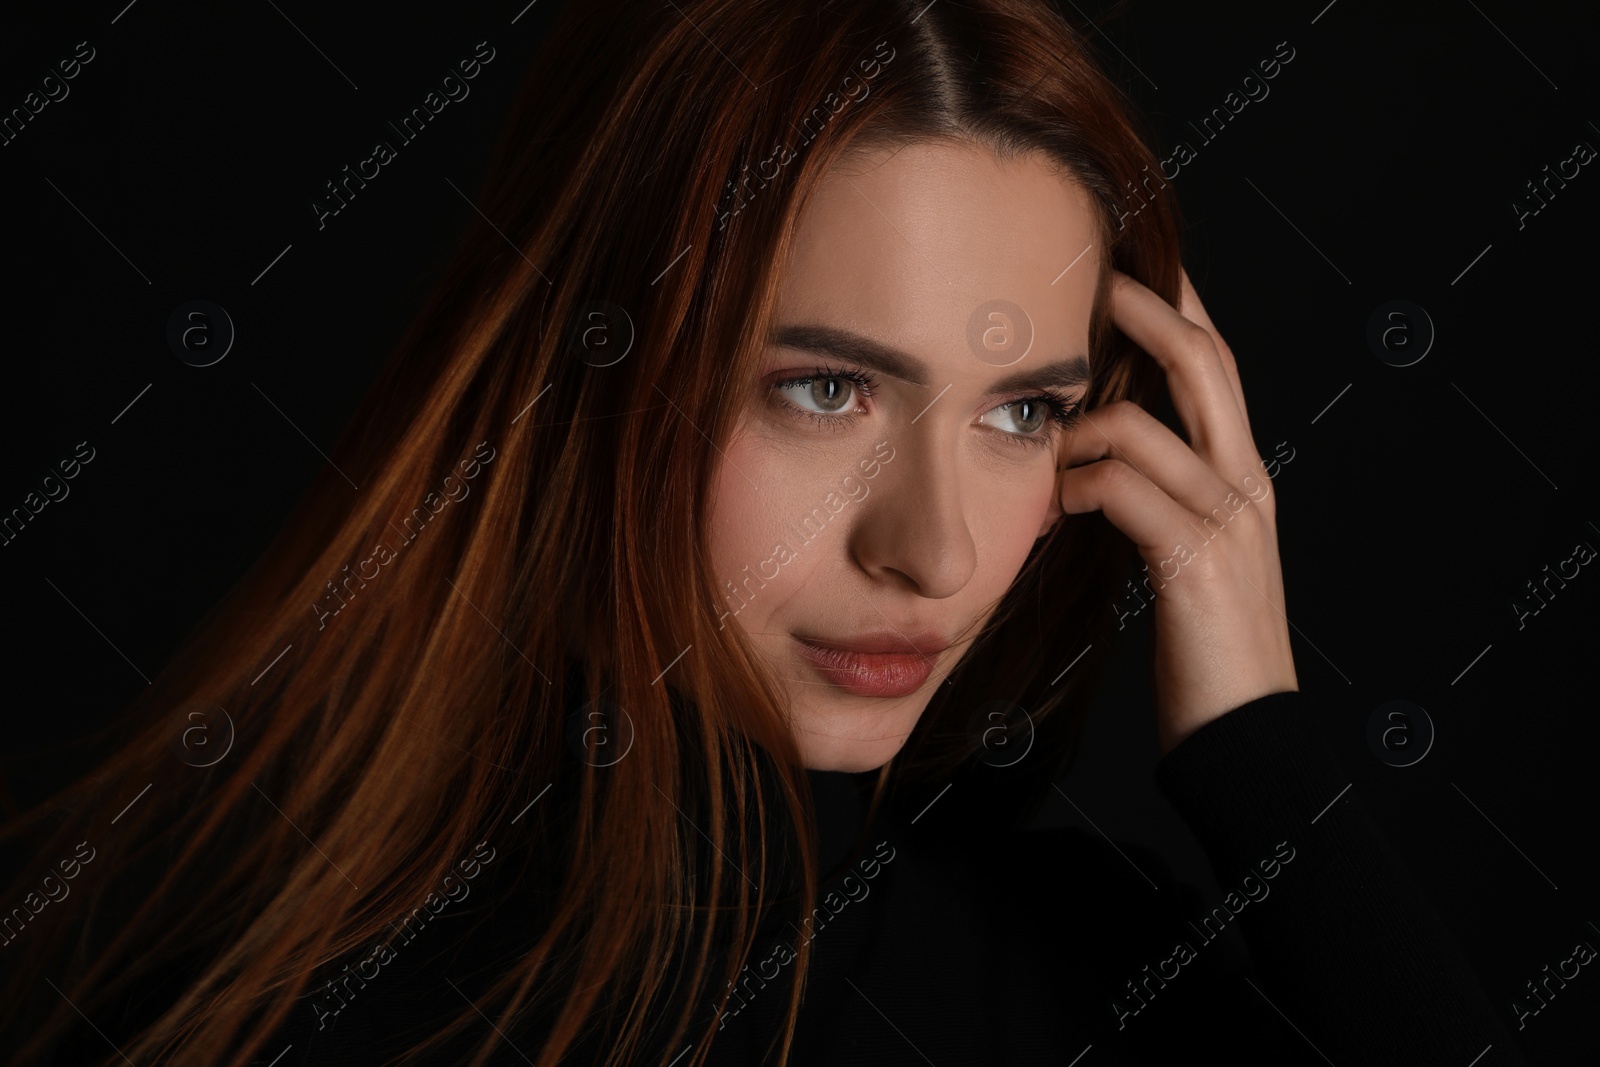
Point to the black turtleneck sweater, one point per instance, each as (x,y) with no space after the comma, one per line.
(1057,946)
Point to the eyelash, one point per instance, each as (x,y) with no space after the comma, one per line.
(1065,413)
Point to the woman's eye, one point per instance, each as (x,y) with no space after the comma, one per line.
(1025,417)
(824,396)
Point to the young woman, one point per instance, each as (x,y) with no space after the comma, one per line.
(742,528)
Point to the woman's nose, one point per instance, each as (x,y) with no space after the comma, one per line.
(912,529)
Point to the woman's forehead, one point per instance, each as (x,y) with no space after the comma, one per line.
(912,243)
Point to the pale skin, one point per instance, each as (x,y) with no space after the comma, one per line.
(901,248)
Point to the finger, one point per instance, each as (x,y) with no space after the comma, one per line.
(1201,391)
(1125,431)
(1131,502)
(1189,307)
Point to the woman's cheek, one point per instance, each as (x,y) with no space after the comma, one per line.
(1012,510)
(751,546)
(734,514)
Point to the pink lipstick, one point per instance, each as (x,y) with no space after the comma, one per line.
(875,665)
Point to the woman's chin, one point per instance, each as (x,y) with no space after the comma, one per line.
(853,754)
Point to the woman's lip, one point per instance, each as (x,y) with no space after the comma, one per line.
(873,674)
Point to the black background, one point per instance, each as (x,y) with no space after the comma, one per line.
(1382,166)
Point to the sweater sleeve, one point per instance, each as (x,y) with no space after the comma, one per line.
(1352,953)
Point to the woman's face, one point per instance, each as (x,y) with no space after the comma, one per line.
(898,458)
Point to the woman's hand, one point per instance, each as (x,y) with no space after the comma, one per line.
(1201,514)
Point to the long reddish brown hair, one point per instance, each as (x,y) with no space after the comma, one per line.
(375,748)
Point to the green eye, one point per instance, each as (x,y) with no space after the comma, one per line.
(1037,419)
(831,394)
(1027,415)
(825,394)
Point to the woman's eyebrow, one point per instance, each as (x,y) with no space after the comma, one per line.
(1066,373)
(854,347)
